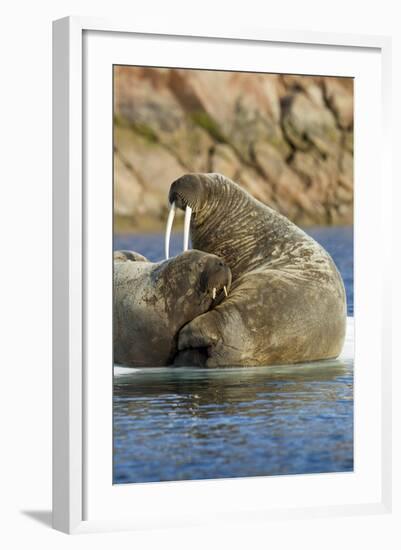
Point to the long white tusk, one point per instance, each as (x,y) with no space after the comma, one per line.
(225,291)
(169,225)
(214,293)
(187,223)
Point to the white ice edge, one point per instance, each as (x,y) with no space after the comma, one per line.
(347,353)
(348,348)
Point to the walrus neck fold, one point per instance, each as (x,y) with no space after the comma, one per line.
(214,226)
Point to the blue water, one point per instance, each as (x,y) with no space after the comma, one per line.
(187,423)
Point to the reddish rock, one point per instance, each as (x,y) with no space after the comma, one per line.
(225,161)
(308,125)
(127,189)
(340,98)
(288,139)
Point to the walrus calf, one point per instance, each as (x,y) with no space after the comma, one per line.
(287,302)
(153,301)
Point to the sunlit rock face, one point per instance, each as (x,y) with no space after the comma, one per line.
(287,139)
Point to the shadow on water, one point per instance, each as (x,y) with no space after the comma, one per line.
(230,384)
(185,423)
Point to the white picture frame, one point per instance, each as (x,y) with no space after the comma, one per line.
(77,482)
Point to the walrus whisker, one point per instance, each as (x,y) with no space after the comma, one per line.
(225,291)
(187,223)
(169,225)
(214,293)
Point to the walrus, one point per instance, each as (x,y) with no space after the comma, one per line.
(287,302)
(152,301)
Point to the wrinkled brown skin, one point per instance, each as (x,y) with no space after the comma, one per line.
(287,302)
(152,301)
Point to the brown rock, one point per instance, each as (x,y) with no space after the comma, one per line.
(259,187)
(348,138)
(143,98)
(225,161)
(289,188)
(154,167)
(288,139)
(340,97)
(250,110)
(127,189)
(320,175)
(347,169)
(144,101)
(307,124)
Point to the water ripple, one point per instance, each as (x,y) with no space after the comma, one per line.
(172,424)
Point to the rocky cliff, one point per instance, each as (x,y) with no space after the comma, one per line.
(287,139)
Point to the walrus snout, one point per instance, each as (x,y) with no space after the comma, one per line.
(216,279)
(188,190)
(186,194)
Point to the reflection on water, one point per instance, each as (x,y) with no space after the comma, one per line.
(186,423)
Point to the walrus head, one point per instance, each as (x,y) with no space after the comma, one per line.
(189,190)
(190,194)
(206,275)
(224,219)
(153,301)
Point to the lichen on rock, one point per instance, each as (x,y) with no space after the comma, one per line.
(288,139)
